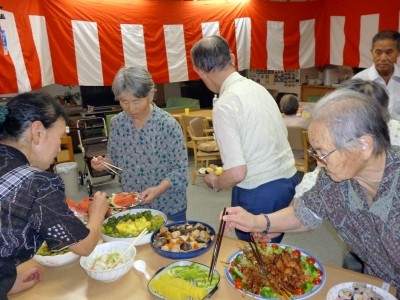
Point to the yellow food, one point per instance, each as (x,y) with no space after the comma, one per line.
(172,288)
(133,227)
(218,171)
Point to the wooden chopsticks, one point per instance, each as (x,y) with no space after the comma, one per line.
(257,255)
(111,167)
(217,246)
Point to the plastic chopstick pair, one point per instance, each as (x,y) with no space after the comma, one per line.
(217,245)
(112,168)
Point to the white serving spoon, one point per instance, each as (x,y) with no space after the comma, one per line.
(140,265)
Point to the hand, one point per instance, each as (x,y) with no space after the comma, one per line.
(97,163)
(209,179)
(265,237)
(99,204)
(241,219)
(26,280)
(149,195)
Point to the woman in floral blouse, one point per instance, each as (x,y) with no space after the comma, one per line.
(147,144)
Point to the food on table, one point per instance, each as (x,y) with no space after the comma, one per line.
(45,251)
(106,261)
(359,291)
(196,273)
(80,208)
(211,169)
(124,199)
(183,237)
(173,288)
(131,225)
(290,273)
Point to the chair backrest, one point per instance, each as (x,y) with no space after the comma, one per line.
(295,137)
(197,126)
(298,140)
(185,120)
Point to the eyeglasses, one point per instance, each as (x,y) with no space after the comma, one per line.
(322,158)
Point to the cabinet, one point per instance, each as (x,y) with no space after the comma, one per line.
(312,93)
(66,154)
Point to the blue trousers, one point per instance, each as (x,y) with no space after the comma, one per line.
(266,198)
(179,216)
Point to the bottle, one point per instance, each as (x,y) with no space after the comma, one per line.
(214,100)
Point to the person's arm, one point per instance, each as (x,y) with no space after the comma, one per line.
(284,220)
(228,179)
(25,280)
(97,211)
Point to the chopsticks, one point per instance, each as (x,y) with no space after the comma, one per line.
(257,255)
(111,167)
(144,232)
(217,245)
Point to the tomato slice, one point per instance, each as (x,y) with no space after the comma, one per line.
(263,245)
(299,291)
(274,246)
(296,253)
(320,273)
(238,283)
(316,281)
(310,260)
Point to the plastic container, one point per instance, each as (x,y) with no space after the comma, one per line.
(69,173)
(214,100)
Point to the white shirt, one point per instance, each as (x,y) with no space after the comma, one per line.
(310,178)
(250,131)
(392,88)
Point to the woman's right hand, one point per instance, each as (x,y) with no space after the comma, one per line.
(99,205)
(97,163)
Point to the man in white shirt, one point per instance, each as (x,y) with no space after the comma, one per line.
(252,137)
(385,51)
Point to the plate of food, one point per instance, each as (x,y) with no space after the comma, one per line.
(210,169)
(127,225)
(292,273)
(358,291)
(183,279)
(124,200)
(183,239)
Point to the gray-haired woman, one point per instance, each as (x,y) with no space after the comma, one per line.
(147,144)
(358,189)
(32,202)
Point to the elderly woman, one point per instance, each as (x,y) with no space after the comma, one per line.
(32,201)
(147,144)
(357,190)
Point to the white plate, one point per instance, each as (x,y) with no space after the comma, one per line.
(210,290)
(316,288)
(334,291)
(145,239)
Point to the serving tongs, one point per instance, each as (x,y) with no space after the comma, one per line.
(217,245)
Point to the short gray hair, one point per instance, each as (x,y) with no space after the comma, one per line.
(289,104)
(349,115)
(211,54)
(137,82)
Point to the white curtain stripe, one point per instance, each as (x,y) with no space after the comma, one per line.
(210,28)
(176,53)
(275,45)
(307,44)
(369,27)
(337,40)
(42,45)
(87,51)
(243,42)
(133,45)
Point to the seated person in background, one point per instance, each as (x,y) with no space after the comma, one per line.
(289,106)
(147,144)
(357,189)
(32,202)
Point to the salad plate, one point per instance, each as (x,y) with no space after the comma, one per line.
(192,272)
(356,290)
(312,268)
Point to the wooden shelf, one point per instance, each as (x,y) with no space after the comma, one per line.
(66,154)
(312,93)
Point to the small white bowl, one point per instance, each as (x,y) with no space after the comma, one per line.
(59,260)
(113,274)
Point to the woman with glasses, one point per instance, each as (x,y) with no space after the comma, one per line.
(357,191)
(147,144)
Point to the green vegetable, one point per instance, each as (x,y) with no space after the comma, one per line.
(268,292)
(195,272)
(45,251)
(236,273)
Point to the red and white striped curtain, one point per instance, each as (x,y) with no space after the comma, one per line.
(84,42)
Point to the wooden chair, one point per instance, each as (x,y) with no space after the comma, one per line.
(298,140)
(209,149)
(185,120)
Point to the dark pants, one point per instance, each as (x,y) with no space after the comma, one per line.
(267,198)
(179,216)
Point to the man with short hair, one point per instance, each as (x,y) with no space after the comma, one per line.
(385,51)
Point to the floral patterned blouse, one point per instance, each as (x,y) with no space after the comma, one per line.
(150,155)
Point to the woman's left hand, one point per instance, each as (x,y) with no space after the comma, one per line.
(149,195)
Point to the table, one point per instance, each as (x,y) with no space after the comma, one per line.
(71,282)
(207,113)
